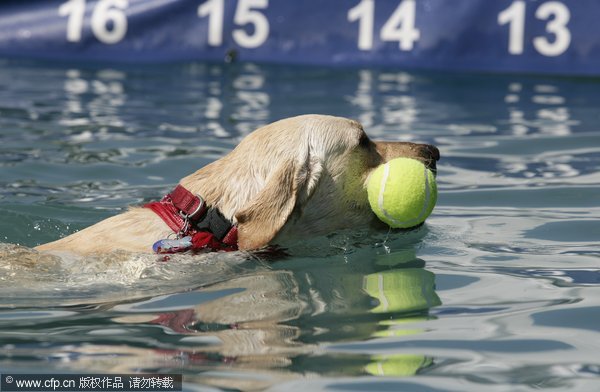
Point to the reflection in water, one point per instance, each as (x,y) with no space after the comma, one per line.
(282,317)
(386,98)
(549,114)
(141,117)
(512,242)
(232,101)
(255,327)
(99,105)
(95,101)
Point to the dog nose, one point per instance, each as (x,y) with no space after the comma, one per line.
(426,153)
(431,155)
(432,151)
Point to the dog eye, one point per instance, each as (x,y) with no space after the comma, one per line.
(364,141)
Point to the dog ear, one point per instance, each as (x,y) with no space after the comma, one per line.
(263,217)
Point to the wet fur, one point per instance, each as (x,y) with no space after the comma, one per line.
(295,178)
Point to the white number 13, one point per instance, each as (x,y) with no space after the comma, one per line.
(514,15)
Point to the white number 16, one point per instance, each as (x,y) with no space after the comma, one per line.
(106,13)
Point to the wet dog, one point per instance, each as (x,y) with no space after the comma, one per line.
(292,179)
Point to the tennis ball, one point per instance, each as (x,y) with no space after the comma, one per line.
(402,290)
(398,365)
(402,192)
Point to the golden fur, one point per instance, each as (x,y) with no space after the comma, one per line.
(288,180)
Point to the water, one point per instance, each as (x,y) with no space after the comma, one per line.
(498,292)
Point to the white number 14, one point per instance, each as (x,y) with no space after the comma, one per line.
(399,27)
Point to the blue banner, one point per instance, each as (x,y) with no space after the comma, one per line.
(556,37)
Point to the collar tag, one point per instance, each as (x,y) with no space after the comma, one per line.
(173,245)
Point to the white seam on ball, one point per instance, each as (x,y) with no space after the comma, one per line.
(386,173)
(383,301)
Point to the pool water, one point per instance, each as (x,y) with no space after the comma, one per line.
(499,291)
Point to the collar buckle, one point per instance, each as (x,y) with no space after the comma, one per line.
(187,218)
(201,207)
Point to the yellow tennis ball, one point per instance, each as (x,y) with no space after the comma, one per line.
(397,365)
(402,192)
(402,290)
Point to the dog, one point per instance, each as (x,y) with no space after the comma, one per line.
(292,179)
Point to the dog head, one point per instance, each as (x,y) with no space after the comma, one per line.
(299,177)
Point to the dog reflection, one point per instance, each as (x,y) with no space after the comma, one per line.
(276,319)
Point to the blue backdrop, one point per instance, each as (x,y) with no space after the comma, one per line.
(560,37)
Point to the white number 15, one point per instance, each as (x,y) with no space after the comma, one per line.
(245,13)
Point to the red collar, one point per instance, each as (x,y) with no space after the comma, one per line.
(198,227)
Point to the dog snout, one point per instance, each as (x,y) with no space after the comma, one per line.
(431,155)
(426,153)
(432,152)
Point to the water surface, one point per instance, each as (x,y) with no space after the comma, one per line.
(498,291)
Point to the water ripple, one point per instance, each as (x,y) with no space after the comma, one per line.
(496,292)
